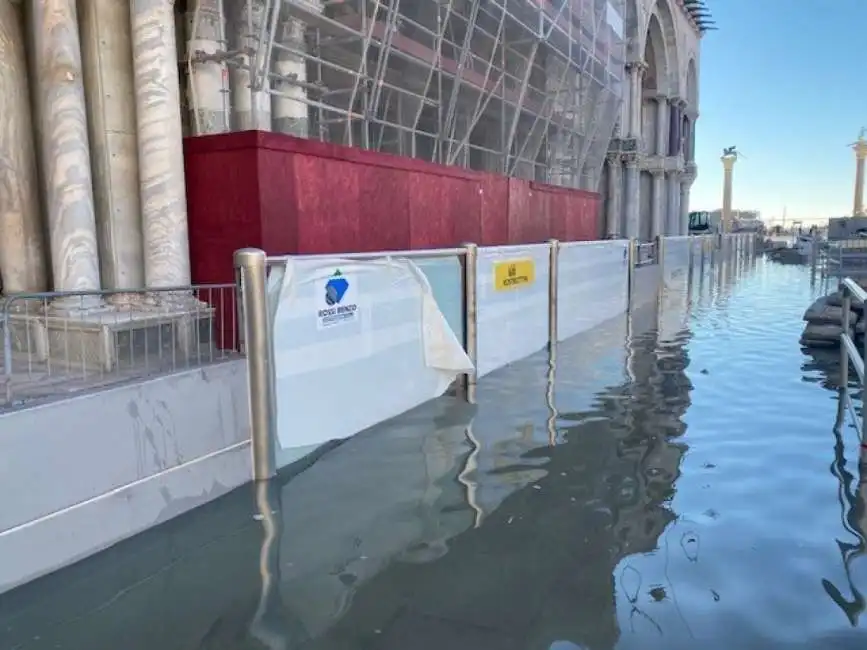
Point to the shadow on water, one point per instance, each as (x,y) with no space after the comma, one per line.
(565,511)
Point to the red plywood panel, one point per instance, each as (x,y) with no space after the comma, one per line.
(327,206)
(278,202)
(558,212)
(444,212)
(493,210)
(383,208)
(290,195)
(519,210)
(537,227)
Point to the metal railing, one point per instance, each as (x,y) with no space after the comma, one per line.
(646,253)
(849,354)
(252,270)
(56,343)
(838,259)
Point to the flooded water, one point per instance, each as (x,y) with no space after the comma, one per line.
(685,489)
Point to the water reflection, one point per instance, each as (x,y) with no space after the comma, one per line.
(452,526)
(560,513)
(852,496)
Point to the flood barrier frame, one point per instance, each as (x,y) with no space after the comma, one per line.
(256,336)
(849,355)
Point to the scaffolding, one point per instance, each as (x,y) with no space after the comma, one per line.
(526,88)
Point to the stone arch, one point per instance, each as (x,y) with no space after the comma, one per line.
(662,19)
(656,58)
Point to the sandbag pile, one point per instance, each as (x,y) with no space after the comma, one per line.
(825,322)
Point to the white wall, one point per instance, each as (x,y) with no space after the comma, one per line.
(81,474)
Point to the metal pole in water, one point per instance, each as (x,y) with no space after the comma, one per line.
(844,351)
(631,260)
(660,256)
(471,342)
(250,264)
(864,385)
(553,275)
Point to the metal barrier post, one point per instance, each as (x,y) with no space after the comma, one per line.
(844,351)
(660,256)
(250,264)
(631,262)
(863,383)
(471,342)
(553,274)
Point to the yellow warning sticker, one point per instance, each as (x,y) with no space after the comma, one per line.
(514,274)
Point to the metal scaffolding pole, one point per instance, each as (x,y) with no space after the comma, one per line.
(521,88)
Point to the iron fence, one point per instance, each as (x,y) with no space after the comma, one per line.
(56,343)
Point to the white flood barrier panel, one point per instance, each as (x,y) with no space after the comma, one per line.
(645,285)
(355,343)
(675,261)
(512,307)
(698,245)
(593,285)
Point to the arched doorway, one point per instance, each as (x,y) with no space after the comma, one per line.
(654,86)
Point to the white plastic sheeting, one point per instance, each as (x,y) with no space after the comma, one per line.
(593,285)
(512,315)
(355,343)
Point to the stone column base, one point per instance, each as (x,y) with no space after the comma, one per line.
(110,341)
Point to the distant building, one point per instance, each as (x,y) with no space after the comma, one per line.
(847,227)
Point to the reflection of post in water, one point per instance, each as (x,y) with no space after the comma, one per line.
(853,504)
(267,624)
(467,474)
(549,394)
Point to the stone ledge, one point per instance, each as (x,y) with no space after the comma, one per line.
(108,340)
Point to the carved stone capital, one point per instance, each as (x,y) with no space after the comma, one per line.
(640,67)
(630,160)
(629,145)
(614,158)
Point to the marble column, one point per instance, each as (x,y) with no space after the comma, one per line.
(106,47)
(674,146)
(160,148)
(22,251)
(661,125)
(636,77)
(289,112)
(208,81)
(631,199)
(615,184)
(672,218)
(65,151)
(251,106)
(657,206)
(684,209)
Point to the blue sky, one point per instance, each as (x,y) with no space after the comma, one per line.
(785,81)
